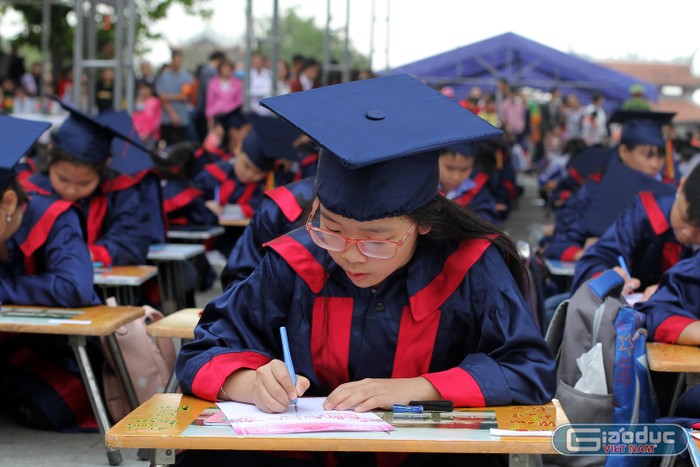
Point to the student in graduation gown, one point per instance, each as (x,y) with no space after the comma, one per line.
(457,183)
(137,169)
(651,236)
(639,160)
(118,229)
(282,211)
(43,261)
(241,180)
(392,293)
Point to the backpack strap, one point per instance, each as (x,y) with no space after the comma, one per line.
(606,283)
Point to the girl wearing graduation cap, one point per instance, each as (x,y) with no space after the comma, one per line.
(118,227)
(43,261)
(391,293)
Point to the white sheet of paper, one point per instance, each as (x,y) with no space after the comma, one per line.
(247,419)
(500,432)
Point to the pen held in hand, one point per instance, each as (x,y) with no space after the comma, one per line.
(288,361)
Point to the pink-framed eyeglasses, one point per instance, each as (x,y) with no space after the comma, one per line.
(376,249)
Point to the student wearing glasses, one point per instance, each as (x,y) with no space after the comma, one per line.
(391,292)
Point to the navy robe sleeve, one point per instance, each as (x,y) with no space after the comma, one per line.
(676,303)
(126,232)
(621,239)
(65,275)
(484,205)
(569,236)
(505,374)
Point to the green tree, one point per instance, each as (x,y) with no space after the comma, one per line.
(301,36)
(61,33)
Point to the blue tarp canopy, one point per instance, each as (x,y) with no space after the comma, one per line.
(524,63)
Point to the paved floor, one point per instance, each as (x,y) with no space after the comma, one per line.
(25,447)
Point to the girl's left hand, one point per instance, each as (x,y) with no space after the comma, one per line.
(371,393)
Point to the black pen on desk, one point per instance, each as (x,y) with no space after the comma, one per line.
(288,362)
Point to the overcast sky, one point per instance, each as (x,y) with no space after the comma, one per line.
(660,30)
(602,29)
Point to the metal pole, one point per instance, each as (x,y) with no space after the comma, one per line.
(45,55)
(327,45)
(91,55)
(388,16)
(371,35)
(274,45)
(346,46)
(78,53)
(248,51)
(118,55)
(130,44)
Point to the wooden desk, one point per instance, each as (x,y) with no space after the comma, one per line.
(560,268)
(227,222)
(160,421)
(121,281)
(172,281)
(671,358)
(196,234)
(179,325)
(104,321)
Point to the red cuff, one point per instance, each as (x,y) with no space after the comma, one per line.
(672,327)
(458,386)
(100,254)
(695,426)
(570,253)
(209,379)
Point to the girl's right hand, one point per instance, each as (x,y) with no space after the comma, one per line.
(273,390)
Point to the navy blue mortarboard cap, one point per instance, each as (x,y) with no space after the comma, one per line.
(463,149)
(126,157)
(617,192)
(642,127)
(17,136)
(270,139)
(380,139)
(85,138)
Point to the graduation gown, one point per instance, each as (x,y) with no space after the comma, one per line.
(118,229)
(643,236)
(676,303)
(453,314)
(474,193)
(281,212)
(220,178)
(183,204)
(48,261)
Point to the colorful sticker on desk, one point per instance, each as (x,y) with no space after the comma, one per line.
(458,420)
(247,419)
(529,418)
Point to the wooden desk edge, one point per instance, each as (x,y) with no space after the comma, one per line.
(684,364)
(124,315)
(121,436)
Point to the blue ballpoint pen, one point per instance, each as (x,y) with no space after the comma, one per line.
(623,265)
(288,361)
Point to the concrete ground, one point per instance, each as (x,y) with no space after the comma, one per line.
(21,446)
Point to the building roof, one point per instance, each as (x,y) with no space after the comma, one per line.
(686,111)
(677,74)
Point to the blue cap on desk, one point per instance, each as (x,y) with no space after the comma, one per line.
(617,191)
(126,158)
(17,137)
(642,127)
(85,138)
(270,139)
(380,139)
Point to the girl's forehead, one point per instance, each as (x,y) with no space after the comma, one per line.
(376,225)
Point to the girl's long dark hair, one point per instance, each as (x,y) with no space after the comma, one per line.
(449,222)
